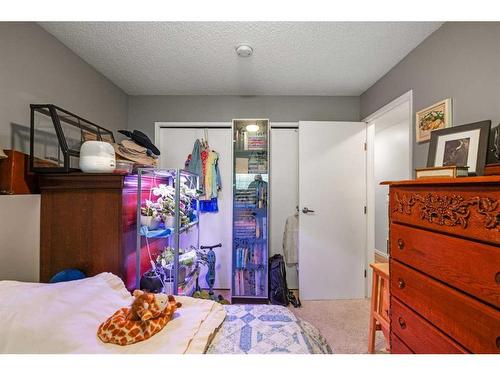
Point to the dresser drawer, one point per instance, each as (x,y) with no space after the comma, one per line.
(470,266)
(421,336)
(398,346)
(471,211)
(473,324)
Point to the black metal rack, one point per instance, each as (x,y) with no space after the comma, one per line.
(56,136)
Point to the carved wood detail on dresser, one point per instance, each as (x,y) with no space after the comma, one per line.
(445,265)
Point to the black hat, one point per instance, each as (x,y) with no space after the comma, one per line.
(141,139)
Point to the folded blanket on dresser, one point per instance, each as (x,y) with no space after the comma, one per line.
(63,318)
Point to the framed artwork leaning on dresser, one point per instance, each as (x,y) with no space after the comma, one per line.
(461,146)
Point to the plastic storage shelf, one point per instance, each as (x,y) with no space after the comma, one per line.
(250,210)
(170,196)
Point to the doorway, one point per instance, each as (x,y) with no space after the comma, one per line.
(389,159)
(175,141)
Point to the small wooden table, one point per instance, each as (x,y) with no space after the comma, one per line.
(379,312)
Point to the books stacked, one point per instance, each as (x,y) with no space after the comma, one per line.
(250,282)
(246,228)
(256,142)
(257,163)
(435,172)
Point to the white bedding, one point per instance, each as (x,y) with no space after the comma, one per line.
(64,317)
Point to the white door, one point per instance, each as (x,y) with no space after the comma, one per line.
(332,185)
(175,145)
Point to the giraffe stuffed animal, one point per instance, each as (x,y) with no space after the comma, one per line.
(147,316)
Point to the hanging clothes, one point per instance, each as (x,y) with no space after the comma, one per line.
(210,175)
(194,163)
(259,187)
(205,163)
(291,240)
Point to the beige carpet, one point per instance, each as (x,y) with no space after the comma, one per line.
(344,323)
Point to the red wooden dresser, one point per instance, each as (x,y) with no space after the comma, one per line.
(445,265)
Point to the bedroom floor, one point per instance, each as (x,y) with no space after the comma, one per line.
(344,324)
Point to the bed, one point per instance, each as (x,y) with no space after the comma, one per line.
(63,318)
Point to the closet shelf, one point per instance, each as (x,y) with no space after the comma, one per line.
(250,267)
(248,152)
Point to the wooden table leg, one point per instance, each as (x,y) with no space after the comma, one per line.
(373,322)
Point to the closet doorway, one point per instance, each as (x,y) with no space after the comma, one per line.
(175,141)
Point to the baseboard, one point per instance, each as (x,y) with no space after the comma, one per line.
(380,257)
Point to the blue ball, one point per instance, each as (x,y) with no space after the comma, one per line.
(67,275)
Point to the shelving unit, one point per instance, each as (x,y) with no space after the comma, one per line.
(250,210)
(153,187)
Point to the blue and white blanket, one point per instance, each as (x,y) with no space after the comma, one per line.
(263,329)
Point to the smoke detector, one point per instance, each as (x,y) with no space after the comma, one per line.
(244,50)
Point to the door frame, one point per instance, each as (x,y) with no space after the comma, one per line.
(370,175)
(213,124)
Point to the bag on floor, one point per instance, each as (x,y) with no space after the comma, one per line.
(295,301)
(278,290)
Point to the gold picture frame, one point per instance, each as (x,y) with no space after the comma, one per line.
(434,117)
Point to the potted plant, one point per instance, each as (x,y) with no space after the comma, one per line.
(150,215)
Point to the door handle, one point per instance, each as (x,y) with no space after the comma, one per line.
(306,210)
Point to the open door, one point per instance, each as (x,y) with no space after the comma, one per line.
(332,196)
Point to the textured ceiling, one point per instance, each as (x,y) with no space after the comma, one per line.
(198,58)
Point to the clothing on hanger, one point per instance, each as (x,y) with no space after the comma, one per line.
(259,186)
(204,162)
(194,164)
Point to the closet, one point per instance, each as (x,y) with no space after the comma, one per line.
(175,140)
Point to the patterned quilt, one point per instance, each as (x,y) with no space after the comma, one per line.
(262,329)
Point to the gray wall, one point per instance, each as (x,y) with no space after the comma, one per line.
(461,60)
(37,68)
(144,111)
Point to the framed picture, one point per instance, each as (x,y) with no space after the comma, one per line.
(461,146)
(437,116)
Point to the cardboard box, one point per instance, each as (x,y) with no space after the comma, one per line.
(15,177)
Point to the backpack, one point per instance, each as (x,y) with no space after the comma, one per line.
(279,294)
(278,290)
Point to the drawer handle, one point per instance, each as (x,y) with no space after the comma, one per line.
(497,278)
(402,323)
(401,283)
(401,244)
(498,342)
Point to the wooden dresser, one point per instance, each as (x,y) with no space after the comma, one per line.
(445,265)
(88,221)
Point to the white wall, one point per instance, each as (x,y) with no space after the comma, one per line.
(20,237)
(35,67)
